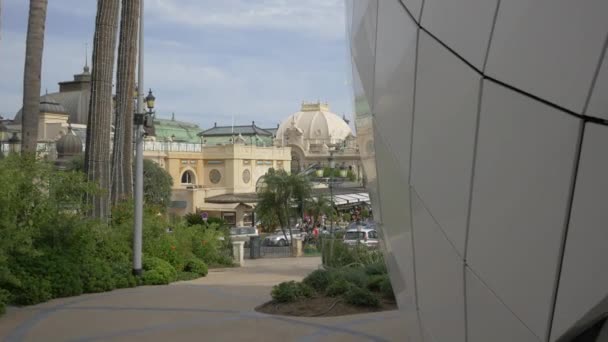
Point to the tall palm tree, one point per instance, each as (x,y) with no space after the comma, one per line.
(97,154)
(31,75)
(282,197)
(122,156)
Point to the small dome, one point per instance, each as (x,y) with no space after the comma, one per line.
(50,105)
(69,145)
(316,122)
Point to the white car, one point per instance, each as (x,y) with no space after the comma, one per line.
(278,238)
(243,233)
(363,236)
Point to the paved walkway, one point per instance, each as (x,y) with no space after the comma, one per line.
(219,307)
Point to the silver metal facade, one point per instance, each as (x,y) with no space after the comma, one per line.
(484,136)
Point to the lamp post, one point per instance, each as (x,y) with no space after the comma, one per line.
(139,119)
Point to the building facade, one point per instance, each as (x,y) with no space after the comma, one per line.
(315,134)
(483,128)
(218,180)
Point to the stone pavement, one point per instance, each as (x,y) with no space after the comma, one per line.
(219,307)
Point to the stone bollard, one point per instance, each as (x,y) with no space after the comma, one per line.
(238,252)
(298,251)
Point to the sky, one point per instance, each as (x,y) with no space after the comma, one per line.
(205,60)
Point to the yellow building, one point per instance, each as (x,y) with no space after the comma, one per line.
(213,172)
(219,180)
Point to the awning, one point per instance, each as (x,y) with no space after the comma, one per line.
(351,199)
(221,206)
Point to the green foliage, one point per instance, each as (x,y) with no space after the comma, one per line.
(157,185)
(291,291)
(197,267)
(377,268)
(194,219)
(335,253)
(338,287)
(157,182)
(354,275)
(50,248)
(157,271)
(361,297)
(183,275)
(374,281)
(282,197)
(318,280)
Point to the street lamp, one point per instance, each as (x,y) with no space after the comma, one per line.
(150,101)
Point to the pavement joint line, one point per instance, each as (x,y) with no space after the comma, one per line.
(158,328)
(145,308)
(19,333)
(333,329)
(323,332)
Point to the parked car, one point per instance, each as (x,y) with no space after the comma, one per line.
(243,233)
(278,238)
(364,236)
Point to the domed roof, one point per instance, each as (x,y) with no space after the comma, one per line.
(74,97)
(316,122)
(50,105)
(69,145)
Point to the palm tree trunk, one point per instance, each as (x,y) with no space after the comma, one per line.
(122,157)
(97,154)
(31,75)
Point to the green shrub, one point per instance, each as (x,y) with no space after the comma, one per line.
(196,266)
(374,281)
(305,290)
(157,271)
(376,268)
(386,289)
(361,297)
(354,275)
(32,290)
(181,276)
(335,253)
(318,280)
(291,291)
(338,287)
(64,275)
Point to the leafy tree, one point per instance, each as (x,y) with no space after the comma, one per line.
(31,76)
(157,184)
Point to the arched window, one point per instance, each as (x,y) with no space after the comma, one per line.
(187,177)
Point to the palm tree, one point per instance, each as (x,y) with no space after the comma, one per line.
(281,197)
(31,75)
(97,154)
(318,207)
(122,156)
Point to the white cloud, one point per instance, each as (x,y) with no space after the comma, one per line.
(322,18)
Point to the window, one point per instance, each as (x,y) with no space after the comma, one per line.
(188,177)
(215,176)
(230,218)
